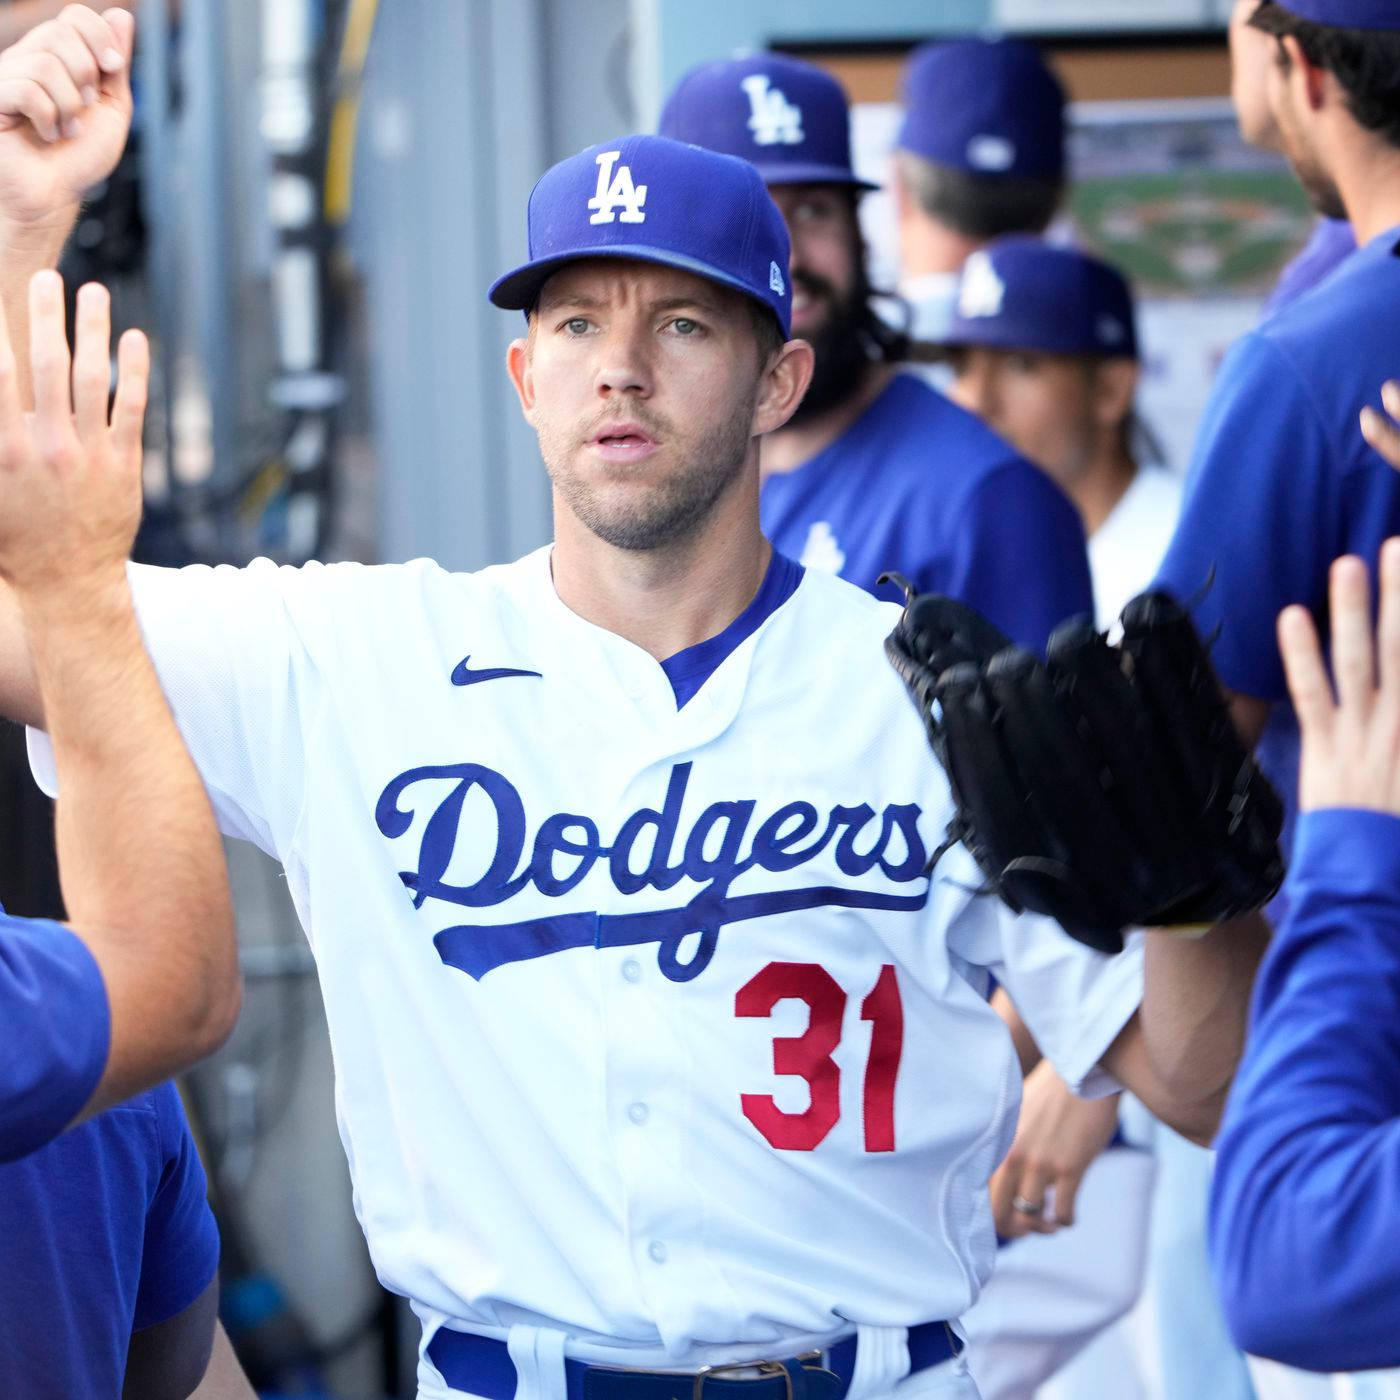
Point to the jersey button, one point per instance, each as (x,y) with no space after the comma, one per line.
(657,1250)
(632,970)
(639,1113)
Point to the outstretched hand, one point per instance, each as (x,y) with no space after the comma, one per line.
(65,111)
(1350,744)
(70,473)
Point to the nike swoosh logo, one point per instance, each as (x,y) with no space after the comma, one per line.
(464,675)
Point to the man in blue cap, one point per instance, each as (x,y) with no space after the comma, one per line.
(1043,346)
(980,154)
(875,471)
(661,1060)
(1282,480)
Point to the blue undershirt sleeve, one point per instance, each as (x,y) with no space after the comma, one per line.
(56,1031)
(1306,1194)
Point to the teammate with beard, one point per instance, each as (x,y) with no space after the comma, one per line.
(1251,57)
(876,470)
(1281,432)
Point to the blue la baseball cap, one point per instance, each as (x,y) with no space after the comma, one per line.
(658,201)
(789,118)
(987,106)
(1346,14)
(1021,293)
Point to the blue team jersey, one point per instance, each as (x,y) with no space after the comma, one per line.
(1305,1199)
(919,485)
(102,1233)
(1282,482)
(56,1025)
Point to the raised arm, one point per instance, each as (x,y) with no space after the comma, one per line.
(1308,1172)
(140,858)
(65,110)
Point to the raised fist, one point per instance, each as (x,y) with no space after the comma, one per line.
(65,110)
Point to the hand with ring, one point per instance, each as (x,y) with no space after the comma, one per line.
(1057,1137)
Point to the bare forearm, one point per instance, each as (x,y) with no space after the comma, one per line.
(225,1379)
(27,248)
(128,788)
(1027,1051)
(1194,1011)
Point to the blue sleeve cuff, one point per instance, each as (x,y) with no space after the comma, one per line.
(1348,849)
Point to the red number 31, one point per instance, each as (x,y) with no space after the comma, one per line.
(808,1056)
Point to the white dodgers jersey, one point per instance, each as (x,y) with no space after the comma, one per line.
(649,1024)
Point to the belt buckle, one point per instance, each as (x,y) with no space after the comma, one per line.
(765,1369)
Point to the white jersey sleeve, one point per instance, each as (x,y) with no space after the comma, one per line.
(1074,1000)
(228,658)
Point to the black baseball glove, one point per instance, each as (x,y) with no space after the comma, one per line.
(1105,786)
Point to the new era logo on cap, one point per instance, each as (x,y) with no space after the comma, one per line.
(775,120)
(775,279)
(993,154)
(1110,330)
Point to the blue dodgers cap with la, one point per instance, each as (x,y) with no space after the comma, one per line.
(1346,14)
(790,118)
(987,106)
(658,201)
(1020,293)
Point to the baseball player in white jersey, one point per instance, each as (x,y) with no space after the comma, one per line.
(657,1047)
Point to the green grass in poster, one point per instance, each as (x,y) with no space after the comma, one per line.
(1219,232)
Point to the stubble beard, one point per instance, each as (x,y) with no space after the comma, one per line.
(1318,185)
(652,514)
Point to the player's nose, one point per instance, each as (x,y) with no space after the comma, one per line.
(624,362)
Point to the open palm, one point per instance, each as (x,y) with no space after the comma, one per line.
(70,472)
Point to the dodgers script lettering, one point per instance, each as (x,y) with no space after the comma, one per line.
(650,851)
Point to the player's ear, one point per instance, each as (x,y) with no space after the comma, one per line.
(1314,80)
(520,367)
(784,382)
(1115,385)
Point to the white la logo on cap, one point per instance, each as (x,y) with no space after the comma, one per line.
(616,192)
(775,279)
(982,290)
(1111,330)
(775,121)
(988,152)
